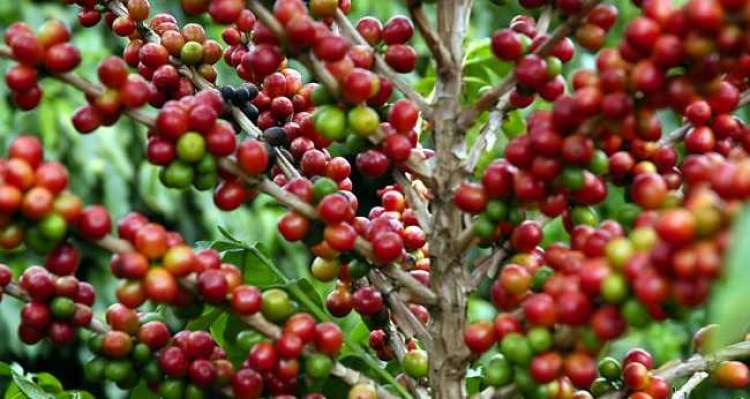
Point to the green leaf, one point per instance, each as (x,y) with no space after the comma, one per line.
(14,392)
(206,320)
(5,369)
(227,234)
(728,305)
(31,390)
(302,285)
(48,382)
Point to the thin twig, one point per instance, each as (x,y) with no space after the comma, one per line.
(488,135)
(401,314)
(399,348)
(496,393)
(542,24)
(487,267)
(690,385)
(415,201)
(436,46)
(114,245)
(419,292)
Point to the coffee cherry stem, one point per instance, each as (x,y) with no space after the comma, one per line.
(416,201)
(690,384)
(491,97)
(404,318)
(488,266)
(545,18)
(396,342)
(430,36)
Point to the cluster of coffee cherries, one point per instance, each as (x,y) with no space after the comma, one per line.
(553,182)
(392,229)
(126,351)
(534,74)
(284,101)
(122,91)
(529,356)
(160,260)
(395,35)
(192,361)
(274,367)
(706,91)
(57,306)
(397,136)
(608,280)
(634,374)
(189,45)
(188,139)
(35,207)
(47,50)
(153,60)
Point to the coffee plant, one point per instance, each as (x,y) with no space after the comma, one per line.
(487,204)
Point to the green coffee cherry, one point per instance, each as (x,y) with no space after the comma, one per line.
(191,147)
(318,365)
(62,308)
(497,372)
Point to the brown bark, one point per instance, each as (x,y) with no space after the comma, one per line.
(449,357)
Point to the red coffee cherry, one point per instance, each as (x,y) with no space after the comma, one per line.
(479,336)
(470,197)
(94,222)
(302,325)
(368,301)
(328,338)
(546,367)
(173,362)
(289,346)
(155,334)
(526,236)
(397,30)
(117,344)
(246,300)
(246,383)
(213,286)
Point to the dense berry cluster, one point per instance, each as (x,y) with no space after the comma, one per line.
(123,91)
(58,305)
(274,367)
(634,373)
(48,50)
(395,35)
(189,138)
(37,210)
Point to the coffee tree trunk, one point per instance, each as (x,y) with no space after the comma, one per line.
(449,357)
